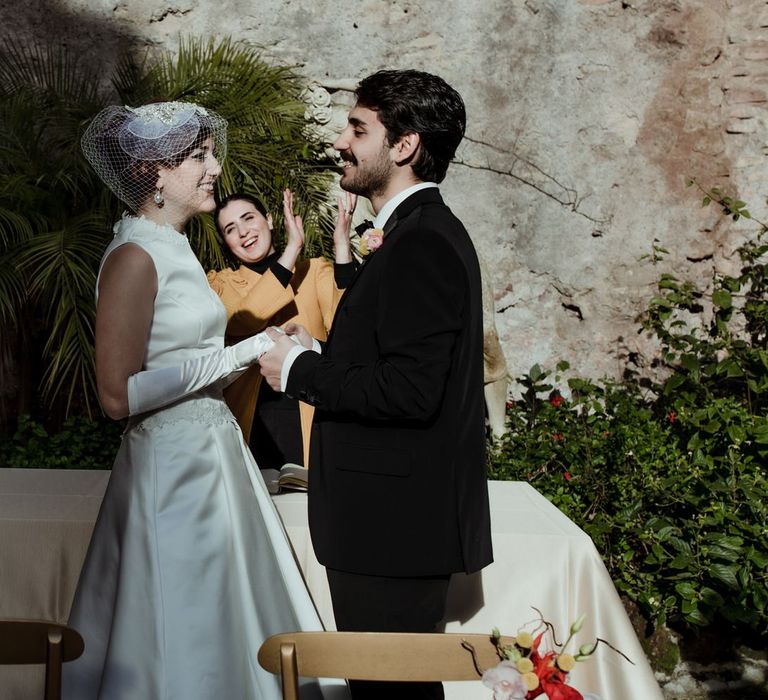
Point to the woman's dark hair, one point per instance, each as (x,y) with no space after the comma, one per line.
(237,197)
(411,101)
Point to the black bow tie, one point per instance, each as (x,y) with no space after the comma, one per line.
(360,229)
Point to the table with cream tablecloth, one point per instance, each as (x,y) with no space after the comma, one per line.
(542,560)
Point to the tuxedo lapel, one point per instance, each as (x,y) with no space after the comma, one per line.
(391,223)
(429,195)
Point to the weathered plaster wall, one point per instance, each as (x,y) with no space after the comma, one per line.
(585,116)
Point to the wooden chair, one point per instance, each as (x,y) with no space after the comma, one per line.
(377,656)
(40,642)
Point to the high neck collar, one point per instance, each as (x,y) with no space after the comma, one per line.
(261,266)
(142,226)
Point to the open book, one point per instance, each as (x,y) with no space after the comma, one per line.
(290,477)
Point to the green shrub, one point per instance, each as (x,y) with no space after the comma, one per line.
(668,479)
(80,444)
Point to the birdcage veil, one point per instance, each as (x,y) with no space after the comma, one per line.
(125,145)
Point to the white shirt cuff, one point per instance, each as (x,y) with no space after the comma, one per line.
(285,370)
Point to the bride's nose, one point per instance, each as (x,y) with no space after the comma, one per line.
(214,167)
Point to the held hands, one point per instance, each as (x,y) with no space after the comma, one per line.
(271,362)
(346,207)
(300,334)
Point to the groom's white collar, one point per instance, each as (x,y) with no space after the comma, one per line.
(386,211)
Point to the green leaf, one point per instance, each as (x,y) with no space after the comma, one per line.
(722,299)
(686,590)
(711,597)
(733,542)
(723,553)
(725,574)
(696,617)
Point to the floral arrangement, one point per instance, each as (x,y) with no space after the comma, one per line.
(527,670)
(370,241)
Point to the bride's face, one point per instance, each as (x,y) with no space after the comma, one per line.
(247,232)
(189,186)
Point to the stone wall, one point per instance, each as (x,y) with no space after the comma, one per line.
(585,117)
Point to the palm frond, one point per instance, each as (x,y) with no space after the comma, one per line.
(53,70)
(65,261)
(13,292)
(70,373)
(15,229)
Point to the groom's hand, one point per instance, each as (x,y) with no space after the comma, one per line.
(299,333)
(271,362)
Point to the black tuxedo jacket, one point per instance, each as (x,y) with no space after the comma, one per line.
(397,485)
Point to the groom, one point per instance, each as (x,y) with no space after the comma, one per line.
(398,498)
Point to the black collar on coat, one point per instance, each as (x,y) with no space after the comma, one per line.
(418,198)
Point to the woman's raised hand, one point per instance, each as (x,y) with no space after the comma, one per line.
(294,227)
(294,233)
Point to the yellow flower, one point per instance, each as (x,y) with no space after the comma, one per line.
(524,640)
(525,665)
(566,662)
(531,680)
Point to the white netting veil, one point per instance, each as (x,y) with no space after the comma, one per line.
(125,145)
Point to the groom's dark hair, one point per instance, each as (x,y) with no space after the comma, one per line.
(409,101)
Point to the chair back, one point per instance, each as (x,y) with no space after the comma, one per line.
(40,642)
(377,656)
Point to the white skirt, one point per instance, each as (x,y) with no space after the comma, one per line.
(188,571)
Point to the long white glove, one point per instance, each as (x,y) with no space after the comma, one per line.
(155,388)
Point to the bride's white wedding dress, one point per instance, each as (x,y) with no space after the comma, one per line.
(189,568)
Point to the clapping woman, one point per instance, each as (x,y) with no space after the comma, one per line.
(273,288)
(188,569)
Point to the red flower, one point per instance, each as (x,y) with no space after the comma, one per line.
(556,689)
(510,404)
(672,416)
(567,476)
(551,678)
(556,400)
(558,436)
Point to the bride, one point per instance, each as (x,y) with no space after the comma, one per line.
(189,568)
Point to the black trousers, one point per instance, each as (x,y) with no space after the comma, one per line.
(386,604)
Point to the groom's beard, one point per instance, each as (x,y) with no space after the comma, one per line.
(369,180)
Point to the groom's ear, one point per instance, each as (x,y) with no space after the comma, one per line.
(406,147)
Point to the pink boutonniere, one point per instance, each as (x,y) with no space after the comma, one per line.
(371,241)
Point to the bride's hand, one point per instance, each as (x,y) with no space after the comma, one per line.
(346,204)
